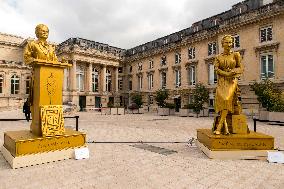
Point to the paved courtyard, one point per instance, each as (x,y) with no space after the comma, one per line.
(115,162)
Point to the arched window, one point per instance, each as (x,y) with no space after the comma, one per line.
(80,77)
(15,84)
(28,83)
(1,83)
(108,81)
(95,80)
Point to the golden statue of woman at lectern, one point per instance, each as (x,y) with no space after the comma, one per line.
(229,68)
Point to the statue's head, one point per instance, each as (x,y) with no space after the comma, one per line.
(227,41)
(41,31)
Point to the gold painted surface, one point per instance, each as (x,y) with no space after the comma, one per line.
(251,141)
(228,68)
(47,75)
(239,124)
(52,121)
(23,142)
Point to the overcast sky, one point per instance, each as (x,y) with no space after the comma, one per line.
(120,23)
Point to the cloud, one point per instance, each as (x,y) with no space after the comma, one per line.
(121,23)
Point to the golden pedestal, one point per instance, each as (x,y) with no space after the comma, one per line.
(22,148)
(47,140)
(234,146)
(21,143)
(46,90)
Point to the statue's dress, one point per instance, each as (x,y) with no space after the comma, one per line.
(227,87)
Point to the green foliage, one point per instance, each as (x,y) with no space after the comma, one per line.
(170,105)
(110,105)
(200,96)
(161,97)
(269,95)
(137,99)
(188,106)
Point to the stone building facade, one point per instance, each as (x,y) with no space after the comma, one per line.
(14,75)
(105,75)
(180,60)
(93,80)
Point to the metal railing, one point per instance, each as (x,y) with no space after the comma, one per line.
(67,117)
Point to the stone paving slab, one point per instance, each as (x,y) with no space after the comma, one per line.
(120,165)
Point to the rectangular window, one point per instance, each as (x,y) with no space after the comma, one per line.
(236,43)
(266,34)
(80,77)
(212,75)
(120,70)
(192,75)
(163,80)
(177,58)
(130,85)
(130,69)
(267,66)
(212,48)
(191,53)
(27,86)
(163,60)
(151,64)
(178,78)
(120,84)
(1,83)
(140,66)
(150,82)
(140,82)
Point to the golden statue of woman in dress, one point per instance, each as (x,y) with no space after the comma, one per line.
(228,67)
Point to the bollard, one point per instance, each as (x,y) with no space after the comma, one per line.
(77,123)
(254,124)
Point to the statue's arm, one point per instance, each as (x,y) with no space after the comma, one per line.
(239,66)
(219,71)
(28,54)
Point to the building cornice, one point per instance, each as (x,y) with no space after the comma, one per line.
(254,16)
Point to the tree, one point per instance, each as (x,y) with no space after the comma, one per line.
(269,95)
(137,99)
(161,96)
(200,96)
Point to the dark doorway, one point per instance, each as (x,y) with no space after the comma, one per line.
(177,104)
(82,102)
(97,102)
(111,101)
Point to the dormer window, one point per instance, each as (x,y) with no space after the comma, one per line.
(214,22)
(195,29)
(165,41)
(265,2)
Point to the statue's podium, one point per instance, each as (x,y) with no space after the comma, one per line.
(47,140)
(253,145)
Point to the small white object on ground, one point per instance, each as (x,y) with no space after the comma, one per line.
(275,157)
(82,153)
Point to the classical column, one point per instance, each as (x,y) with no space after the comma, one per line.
(89,77)
(73,76)
(116,78)
(104,78)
